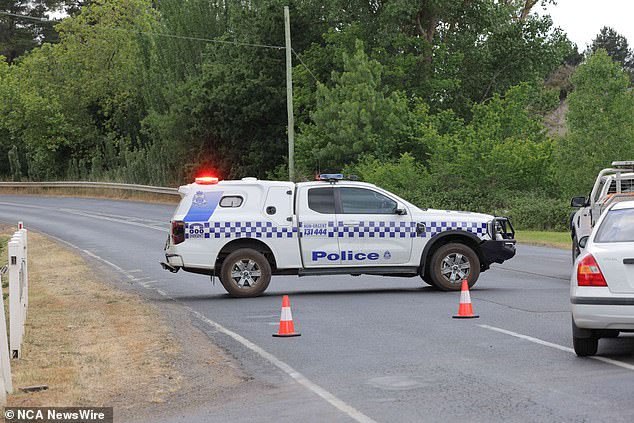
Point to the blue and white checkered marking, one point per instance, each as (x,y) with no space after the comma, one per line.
(377,230)
(434,228)
(396,229)
(371,229)
(238,230)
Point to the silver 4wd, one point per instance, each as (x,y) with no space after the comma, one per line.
(245,231)
(611,186)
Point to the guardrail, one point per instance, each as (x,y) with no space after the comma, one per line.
(83,184)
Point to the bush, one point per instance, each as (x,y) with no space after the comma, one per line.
(539,213)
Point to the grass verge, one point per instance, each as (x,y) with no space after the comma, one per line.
(92,344)
(546,239)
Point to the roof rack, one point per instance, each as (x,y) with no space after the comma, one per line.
(626,164)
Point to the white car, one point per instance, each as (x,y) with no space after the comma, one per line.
(602,282)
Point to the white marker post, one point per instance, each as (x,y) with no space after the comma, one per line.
(17,291)
(5,362)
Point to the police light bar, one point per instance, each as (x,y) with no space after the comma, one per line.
(330,177)
(206,180)
(628,163)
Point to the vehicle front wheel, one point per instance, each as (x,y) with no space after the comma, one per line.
(585,346)
(451,264)
(245,273)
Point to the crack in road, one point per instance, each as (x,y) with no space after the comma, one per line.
(533,273)
(519,308)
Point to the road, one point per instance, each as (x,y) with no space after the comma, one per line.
(372,348)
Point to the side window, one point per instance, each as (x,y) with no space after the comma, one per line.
(322,200)
(365,201)
(231,201)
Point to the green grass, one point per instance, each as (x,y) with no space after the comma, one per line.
(549,239)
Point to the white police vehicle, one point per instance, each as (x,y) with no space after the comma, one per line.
(245,231)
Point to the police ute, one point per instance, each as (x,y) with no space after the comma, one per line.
(246,230)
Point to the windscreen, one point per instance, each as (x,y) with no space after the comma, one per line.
(618,226)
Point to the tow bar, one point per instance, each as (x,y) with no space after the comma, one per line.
(167,266)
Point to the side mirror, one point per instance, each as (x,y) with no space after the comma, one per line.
(400,211)
(583,241)
(578,202)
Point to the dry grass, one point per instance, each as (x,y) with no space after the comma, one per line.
(117,194)
(89,342)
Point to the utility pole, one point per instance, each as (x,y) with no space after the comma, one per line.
(289,96)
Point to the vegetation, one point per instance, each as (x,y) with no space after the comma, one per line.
(442,101)
(548,239)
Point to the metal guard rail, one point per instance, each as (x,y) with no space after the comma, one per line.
(83,184)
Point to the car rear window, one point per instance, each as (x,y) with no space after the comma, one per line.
(618,226)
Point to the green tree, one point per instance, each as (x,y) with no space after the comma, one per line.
(79,98)
(24,24)
(504,147)
(601,128)
(614,44)
(355,117)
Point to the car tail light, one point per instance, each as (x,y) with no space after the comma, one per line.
(178,231)
(589,273)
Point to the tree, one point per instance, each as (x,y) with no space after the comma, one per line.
(354,118)
(72,101)
(614,44)
(504,146)
(600,123)
(19,35)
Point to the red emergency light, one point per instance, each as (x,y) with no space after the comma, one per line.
(206,180)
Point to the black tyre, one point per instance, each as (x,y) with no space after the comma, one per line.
(585,346)
(451,264)
(245,273)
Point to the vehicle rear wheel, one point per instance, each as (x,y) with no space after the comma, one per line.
(585,346)
(451,264)
(245,273)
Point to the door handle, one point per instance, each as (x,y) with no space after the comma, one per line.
(628,261)
(351,223)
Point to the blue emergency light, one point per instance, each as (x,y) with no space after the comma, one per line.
(330,177)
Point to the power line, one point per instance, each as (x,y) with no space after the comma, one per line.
(304,64)
(181,37)
(156,34)
(34,18)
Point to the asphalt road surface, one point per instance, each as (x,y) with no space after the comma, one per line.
(372,348)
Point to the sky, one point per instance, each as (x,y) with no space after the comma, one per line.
(583,19)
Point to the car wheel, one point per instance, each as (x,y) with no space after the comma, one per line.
(245,273)
(585,346)
(451,264)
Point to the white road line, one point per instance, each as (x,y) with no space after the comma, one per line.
(297,376)
(557,346)
(84,214)
(290,371)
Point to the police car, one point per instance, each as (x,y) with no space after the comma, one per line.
(244,231)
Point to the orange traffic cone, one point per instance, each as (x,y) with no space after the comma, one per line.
(465,311)
(286,320)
